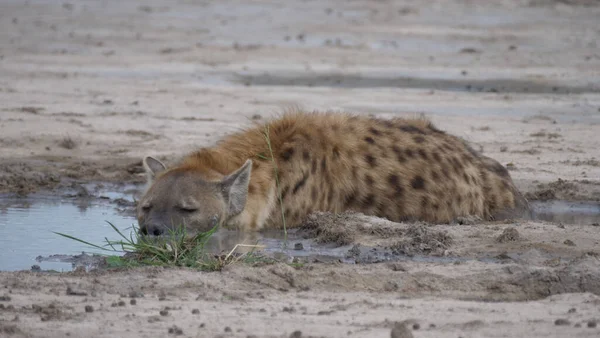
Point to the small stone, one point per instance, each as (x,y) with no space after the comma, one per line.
(195,312)
(562,322)
(162,295)
(416,326)
(401,331)
(572,310)
(569,242)
(5,298)
(175,330)
(298,246)
(592,324)
(132,302)
(135,294)
(508,235)
(89,308)
(121,303)
(296,334)
(395,266)
(74,292)
(164,313)
(227,329)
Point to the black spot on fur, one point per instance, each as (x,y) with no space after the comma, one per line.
(336,152)
(399,154)
(374,131)
(418,183)
(445,170)
(424,203)
(467,178)
(369,140)
(324,164)
(411,129)
(349,200)
(471,150)
(483,175)
(284,192)
(370,160)
(287,154)
(306,155)
(423,154)
(436,156)
(493,202)
(369,200)
(330,197)
(300,184)
(448,146)
(369,180)
(394,182)
(419,139)
(313,169)
(435,176)
(409,153)
(498,169)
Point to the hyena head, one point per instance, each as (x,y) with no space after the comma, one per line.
(181,197)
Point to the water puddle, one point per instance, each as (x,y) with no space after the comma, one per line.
(27,227)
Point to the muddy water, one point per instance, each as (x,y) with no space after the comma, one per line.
(27,227)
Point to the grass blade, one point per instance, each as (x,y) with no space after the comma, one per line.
(82,241)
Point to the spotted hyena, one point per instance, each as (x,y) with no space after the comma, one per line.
(400,169)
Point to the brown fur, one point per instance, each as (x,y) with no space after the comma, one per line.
(400,169)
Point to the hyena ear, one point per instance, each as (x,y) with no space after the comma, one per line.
(235,188)
(153,167)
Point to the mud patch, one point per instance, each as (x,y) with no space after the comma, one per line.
(420,240)
(565,190)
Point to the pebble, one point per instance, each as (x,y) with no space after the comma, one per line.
(401,331)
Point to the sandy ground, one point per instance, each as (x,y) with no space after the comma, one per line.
(87,88)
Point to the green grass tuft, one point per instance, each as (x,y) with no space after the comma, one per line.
(174,249)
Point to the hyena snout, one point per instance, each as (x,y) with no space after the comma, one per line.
(153,229)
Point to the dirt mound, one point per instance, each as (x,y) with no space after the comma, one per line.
(347,228)
(419,240)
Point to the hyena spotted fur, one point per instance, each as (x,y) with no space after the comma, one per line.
(400,169)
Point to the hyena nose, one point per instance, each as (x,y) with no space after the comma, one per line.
(151,229)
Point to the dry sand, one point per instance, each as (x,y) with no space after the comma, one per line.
(87,88)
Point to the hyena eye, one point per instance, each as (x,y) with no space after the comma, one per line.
(188,209)
(146,206)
